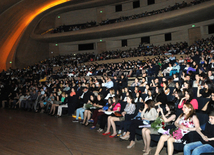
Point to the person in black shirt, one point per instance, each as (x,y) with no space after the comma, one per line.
(207,139)
(209,106)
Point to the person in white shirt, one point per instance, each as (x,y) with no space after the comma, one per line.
(167,70)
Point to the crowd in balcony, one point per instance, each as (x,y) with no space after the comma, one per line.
(76,27)
(179,89)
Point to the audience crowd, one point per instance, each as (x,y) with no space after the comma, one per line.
(177,89)
(177,6)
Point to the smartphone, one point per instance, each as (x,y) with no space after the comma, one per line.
(158,105)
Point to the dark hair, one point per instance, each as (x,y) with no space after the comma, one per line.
(210,86)
(111,99)
(180,94)
(211,113)
(166,85)
(116,99)
(160,90)
(171,106)
(190,92)
(141,107)
(151,104)
(152,91)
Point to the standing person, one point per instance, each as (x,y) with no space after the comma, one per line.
(206,144)
(186,123)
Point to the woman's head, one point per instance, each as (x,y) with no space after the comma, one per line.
(143,79)
(170,107)
(111,91)
(188,94)
(165,84)
(129,98)
(188,110)
(110,100)
(150,92)
(99,97)
(159,90)
(178,94)
(208,85)
(91,97)
(115,99)
(150,104)
(136,80)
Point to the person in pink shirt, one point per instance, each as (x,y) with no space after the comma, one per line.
(188,97)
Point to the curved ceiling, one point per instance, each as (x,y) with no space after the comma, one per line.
(17,16)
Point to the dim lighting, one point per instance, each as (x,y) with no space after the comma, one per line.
(101,11)
(58,16)
(56,44)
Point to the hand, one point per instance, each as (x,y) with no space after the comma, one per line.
(101,110)
(205,138)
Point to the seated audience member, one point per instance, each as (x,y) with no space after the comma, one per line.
(101,107)
(143,82)
(49,102)
(114,107)
(186,123)
(166,88)
(65,105)
(167,70)
(159,97)
(210,75)
(124,125)
(138,98)
(122,82)
(110,94)
(170,82)
(146,89)
(177,87)
(135,83)
(81,111)
(188,97)
(178,97)
(196,82)
(168,117)
(206,144)
(109,84)
(84,97)
(155,83)
(209,106)
(129,109)
(149,95)
(186,85)
(175,69)
(56,103)
(206,92)
(43,102)
(148,114)
(175,78)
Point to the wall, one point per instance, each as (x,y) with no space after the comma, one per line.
(77,17)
